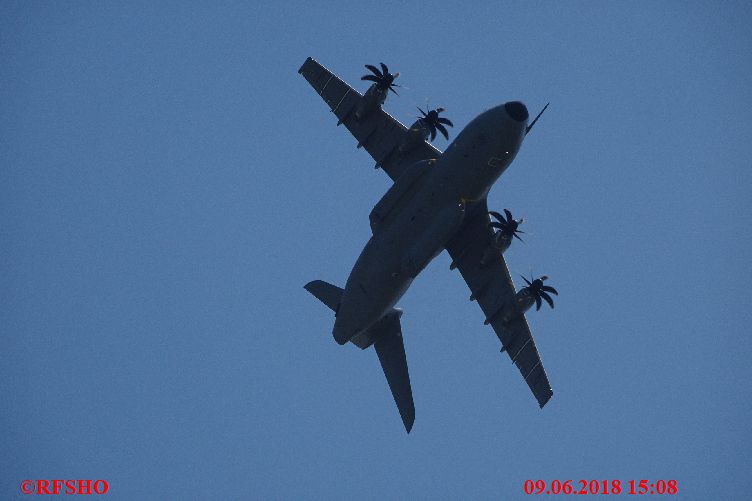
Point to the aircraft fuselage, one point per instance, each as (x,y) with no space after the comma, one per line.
(428,215)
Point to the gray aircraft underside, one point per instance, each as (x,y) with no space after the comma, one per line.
(437,202)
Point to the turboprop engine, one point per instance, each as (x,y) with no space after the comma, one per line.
(375,96)
(425,127)
(502,239)
(525,299)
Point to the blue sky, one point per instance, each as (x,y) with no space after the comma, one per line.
(168,183)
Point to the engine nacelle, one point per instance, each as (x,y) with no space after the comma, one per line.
(515,308)
(500,242)
(372,100)
(523,301)
(416,134)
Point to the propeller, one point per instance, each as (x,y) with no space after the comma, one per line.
(538,291)
(507,226)
(435,122)
(384,80)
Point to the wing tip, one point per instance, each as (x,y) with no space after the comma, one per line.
(544,401)
(311,285)
(408,421)
(308,60)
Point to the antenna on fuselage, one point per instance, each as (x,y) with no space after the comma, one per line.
(529,127)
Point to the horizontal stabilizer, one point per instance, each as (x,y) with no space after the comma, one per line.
(391,352)
(325,292)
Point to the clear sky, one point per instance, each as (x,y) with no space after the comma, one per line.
(168,184)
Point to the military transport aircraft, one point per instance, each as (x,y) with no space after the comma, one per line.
(437,201)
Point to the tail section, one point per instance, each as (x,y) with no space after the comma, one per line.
(386,336)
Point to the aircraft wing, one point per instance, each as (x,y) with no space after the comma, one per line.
(379,132)
(492,287)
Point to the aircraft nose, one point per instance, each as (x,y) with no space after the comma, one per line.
(517,111)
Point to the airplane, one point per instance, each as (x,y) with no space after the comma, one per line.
(437,202)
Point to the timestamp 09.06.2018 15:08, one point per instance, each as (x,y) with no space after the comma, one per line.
(601,487)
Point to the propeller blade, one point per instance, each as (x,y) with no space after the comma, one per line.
(550,289)
(374,70)
(529,127)
(433,132)
(443,131)
(496,215)
(526,280)
(422,112)
(445,121)
(371,78)
(518,238)
(547,298)
(386,70)
(391,89)
(497,225)
(509,216)
(537,302)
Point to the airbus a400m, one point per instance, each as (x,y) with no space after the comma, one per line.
(437,202)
